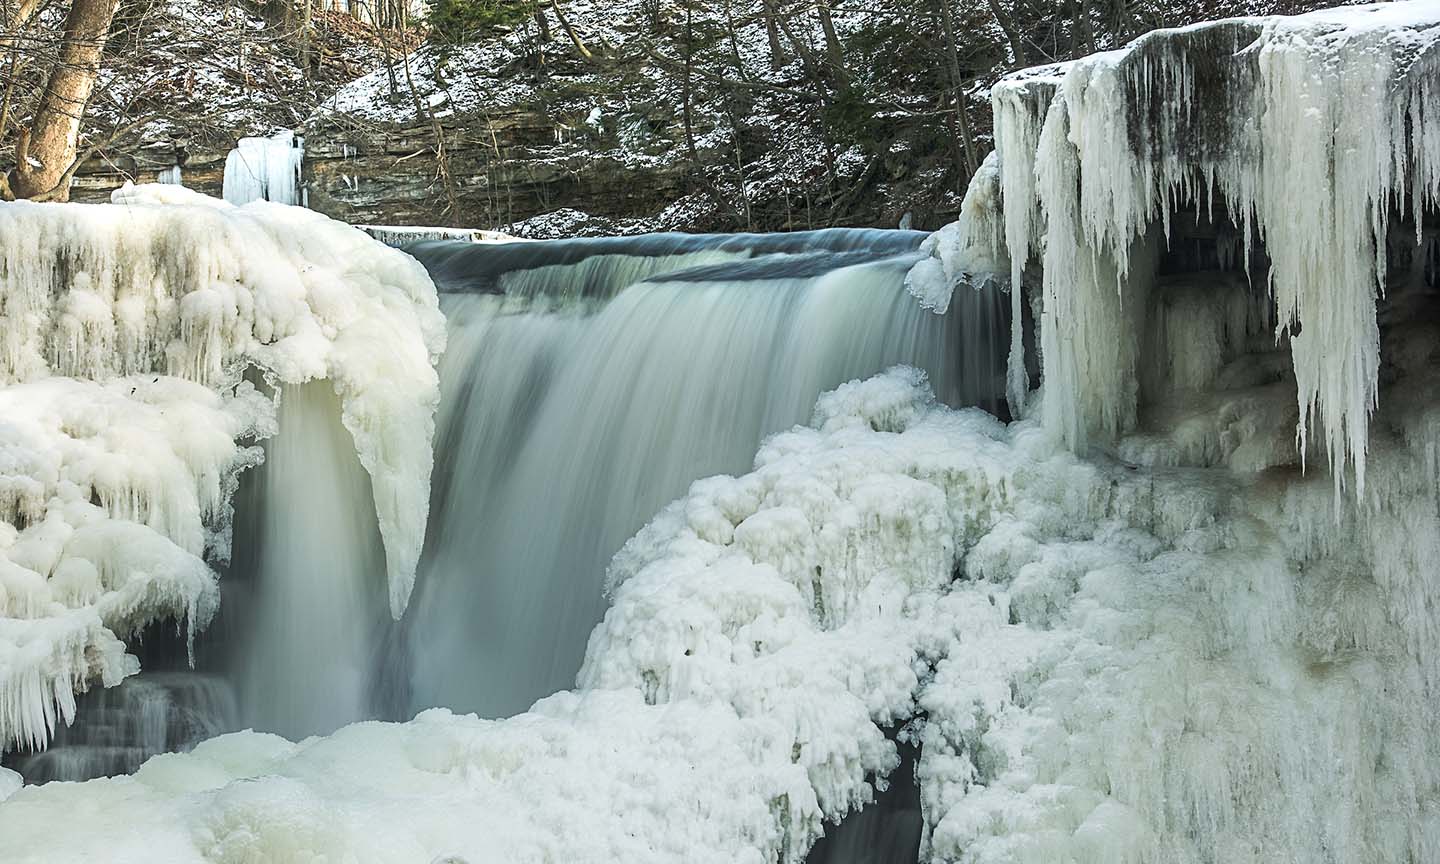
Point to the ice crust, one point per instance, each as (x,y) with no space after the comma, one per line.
(125,330)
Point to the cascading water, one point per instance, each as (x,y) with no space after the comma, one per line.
(265,169)
(586,384)
(121,727)
(589,385)
(316,576)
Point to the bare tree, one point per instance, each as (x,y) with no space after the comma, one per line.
(1012,32)
(46,151)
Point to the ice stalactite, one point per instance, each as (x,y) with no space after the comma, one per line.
(265,169)
(1310,131)
(124,333)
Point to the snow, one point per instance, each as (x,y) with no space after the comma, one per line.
(1343,136)
(124,417)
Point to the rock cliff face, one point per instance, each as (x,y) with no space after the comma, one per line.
(514,164)
(661,123)
(502,169)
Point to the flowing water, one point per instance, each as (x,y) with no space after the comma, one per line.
(587,383)
(588,387)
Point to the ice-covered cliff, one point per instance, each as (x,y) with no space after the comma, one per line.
(125,332)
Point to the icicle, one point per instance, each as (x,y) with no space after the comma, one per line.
(265,169)
(1346,129)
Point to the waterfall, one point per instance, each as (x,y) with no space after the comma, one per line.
(265,169)
(317,576)
(170,176)
(581,392)
(120,727)
(586,384)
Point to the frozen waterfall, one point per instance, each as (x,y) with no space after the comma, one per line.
(736,502)
(265,169)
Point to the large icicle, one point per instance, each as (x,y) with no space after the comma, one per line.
(124,331)
(1308,129)
(265,169)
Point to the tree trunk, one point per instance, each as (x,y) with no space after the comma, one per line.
(833,51)
(777,51)
(45,151)
(957,85)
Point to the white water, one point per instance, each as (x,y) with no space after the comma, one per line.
(563,429)
(318,595)
(265,169)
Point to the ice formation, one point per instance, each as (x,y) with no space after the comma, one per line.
(969,252)
(1310,132)
(1101,664)
(400,235)
(763,629)
(265,169)
(124,417)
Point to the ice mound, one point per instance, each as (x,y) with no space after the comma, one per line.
(125,330)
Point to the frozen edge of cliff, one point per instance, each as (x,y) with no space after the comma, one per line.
(124,332)
(1309,129)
